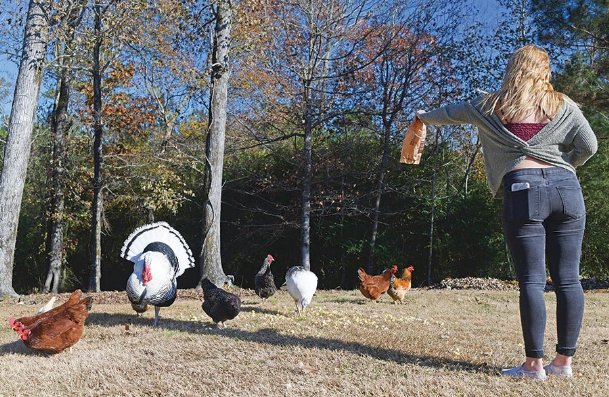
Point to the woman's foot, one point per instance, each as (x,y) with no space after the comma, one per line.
(555,370)
(521,372)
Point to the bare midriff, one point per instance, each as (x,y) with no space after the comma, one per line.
(531,162)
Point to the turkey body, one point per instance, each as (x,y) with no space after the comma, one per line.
(159,255)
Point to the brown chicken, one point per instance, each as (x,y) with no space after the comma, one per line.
(400,285)
(57,329)
(372,287)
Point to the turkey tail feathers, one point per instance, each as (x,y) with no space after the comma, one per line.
(159,232)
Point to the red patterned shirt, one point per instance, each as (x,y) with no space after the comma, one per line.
(524,131)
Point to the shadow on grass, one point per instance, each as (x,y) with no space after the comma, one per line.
(271,337)
(359,301)
(17,347)
(261,310)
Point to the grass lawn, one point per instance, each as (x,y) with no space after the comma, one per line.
(440,343)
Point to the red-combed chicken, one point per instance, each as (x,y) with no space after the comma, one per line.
(372,287)
(400,285)
(264,283)
(57,329)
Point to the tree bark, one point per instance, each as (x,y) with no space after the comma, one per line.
(60,126)
(380,188)
(210,258)
(433,212)
(21,124)
(305,233)
(98,160)
(470,166)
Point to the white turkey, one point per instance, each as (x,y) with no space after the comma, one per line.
(159,255)
(302,285)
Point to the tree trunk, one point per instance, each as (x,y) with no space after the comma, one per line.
(21,123)
(211,260)
(470,166)
(305,236)
(98,160)
(431,226)
(433,211)
(380,187)
(60,126)
(346,277)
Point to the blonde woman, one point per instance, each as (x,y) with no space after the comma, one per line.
(533,138)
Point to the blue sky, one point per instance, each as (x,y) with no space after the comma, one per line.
(8,72)
(489,11)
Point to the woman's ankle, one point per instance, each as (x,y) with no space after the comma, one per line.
(562,361)
(533,364)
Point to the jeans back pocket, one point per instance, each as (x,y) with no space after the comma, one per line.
(572,201)
(522,205)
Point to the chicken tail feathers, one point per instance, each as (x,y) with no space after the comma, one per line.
(361,273)
(80,311)
(155,233)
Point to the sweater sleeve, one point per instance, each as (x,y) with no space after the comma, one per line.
(584,144)
(457,113)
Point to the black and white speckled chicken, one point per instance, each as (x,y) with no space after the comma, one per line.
(219,304)
(264,283)
(159,255)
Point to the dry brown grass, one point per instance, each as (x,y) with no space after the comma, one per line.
(441,343)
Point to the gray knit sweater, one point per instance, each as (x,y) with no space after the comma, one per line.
(567,141)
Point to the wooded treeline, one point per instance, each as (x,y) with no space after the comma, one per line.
(288,113)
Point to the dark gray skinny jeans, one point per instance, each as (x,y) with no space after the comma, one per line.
(546,220)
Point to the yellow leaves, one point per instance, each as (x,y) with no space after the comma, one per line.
(164,193)
(194,128)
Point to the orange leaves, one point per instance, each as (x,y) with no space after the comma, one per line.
(119,76)
(128,116)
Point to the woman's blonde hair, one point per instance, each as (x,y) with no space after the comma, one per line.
(526,87)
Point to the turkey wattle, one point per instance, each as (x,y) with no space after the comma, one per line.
(159,255)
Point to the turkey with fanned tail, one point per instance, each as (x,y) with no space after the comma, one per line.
(159,255)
